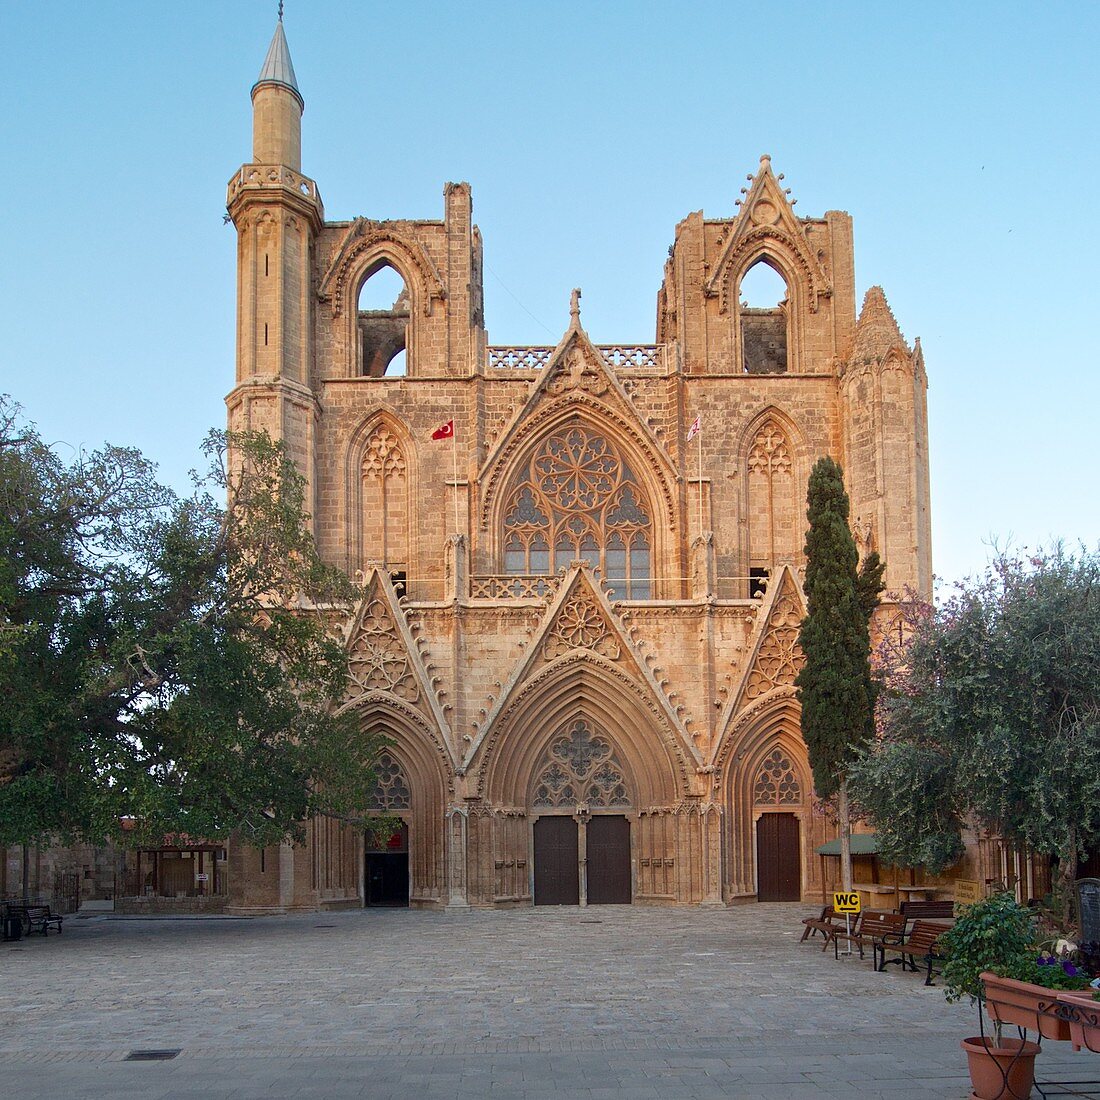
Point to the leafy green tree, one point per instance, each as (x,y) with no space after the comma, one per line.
(994,719)
(835,688)
(166,660)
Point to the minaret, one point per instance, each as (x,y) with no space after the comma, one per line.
(277,212)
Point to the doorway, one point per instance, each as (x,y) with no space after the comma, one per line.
(557,870)
(386,870)
(608,850)
(778,858)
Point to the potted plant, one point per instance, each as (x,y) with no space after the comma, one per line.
(1025,992)
(993,934)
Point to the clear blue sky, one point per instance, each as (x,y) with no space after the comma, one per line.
(961,137)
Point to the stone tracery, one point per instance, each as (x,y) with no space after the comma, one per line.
(378,660)
(391,785)
(580,768)
(779,658)
(776,782)
(577,499)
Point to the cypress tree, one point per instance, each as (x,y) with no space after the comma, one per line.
(834,687)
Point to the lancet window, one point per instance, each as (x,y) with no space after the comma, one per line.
(580,768)
(577,499)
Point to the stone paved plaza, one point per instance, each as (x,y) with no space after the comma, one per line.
(604,1002)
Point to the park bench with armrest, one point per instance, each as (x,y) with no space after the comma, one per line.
(873,925)
(928,910)
(36,918)
(921,943)
(824,924)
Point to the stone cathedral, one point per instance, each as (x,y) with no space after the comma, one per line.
(579,629)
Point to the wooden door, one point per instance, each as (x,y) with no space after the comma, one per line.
(778,859)
(557,872)
(608,844)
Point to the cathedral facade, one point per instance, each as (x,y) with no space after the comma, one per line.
(582,564)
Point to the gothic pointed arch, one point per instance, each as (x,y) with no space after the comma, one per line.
(582,688)
(772,462)
(366,247)
(384,663)
(580,625)
(380,489)
(579,482)
(414,781)
(763,767)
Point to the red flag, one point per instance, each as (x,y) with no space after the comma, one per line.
(695,429)
(444,431)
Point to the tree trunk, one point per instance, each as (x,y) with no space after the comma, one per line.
(845,818)
(1067,876)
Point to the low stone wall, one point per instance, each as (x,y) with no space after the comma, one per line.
(152,906)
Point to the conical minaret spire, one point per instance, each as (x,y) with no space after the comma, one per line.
(277,107)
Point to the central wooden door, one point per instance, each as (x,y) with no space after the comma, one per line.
(608,844)
(557,872)
(778,859)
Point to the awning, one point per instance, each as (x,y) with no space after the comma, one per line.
(863,844)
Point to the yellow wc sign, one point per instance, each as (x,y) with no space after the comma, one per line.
(846,903)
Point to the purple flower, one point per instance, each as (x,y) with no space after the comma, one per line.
(1070,969)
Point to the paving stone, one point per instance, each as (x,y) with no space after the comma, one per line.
(524,1004)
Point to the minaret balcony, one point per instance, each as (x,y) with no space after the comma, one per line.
(268,178)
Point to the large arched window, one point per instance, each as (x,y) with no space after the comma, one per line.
(384,319)
(577,499)
(763,310)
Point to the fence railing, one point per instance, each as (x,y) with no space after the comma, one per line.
(616,356)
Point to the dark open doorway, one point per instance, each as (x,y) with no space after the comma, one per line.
(386,872)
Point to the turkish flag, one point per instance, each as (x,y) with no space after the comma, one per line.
(444,431)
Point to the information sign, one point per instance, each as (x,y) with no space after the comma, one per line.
(967,891)
(846,903)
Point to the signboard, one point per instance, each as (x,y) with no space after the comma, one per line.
(202,878)
(846,903)
(1088,907)
(967,891)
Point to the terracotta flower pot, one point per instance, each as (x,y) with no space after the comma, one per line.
(1033,1007)
(1084,1022)
(1004,1072)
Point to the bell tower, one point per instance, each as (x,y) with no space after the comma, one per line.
(277,213)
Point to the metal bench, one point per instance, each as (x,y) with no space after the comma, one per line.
(37,918)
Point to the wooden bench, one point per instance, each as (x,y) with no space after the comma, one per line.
(922,942)
(928,910)
(823,924)
(873,925)
(37,918)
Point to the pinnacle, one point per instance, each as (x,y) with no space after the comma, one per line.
(877,329)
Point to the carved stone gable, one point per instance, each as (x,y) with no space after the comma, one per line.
(580,624)
(378,659)
(777,658)
(574,371)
